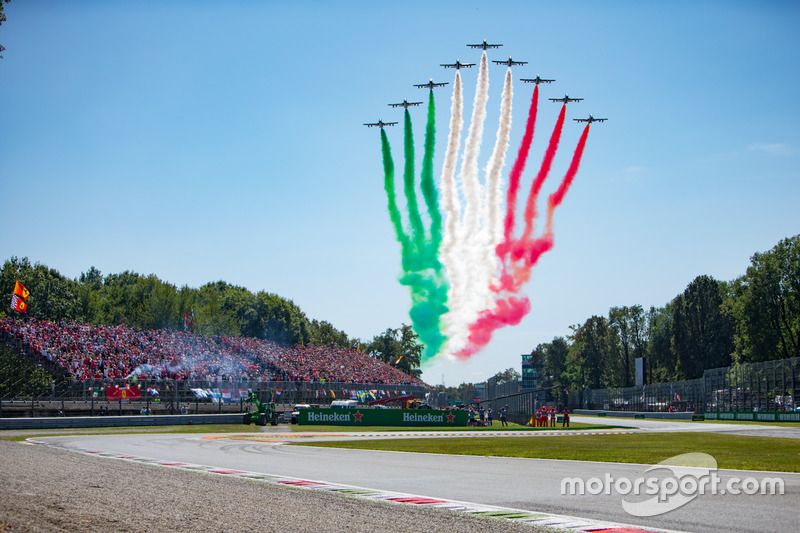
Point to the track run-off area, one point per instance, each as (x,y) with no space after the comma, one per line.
(523,490)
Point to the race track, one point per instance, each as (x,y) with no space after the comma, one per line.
(522,484)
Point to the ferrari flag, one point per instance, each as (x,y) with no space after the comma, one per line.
(116,392)
(21,291)
(18,304)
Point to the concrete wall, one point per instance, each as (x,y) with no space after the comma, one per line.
(116,421)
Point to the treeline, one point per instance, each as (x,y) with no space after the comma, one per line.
(146,302)
(711,324)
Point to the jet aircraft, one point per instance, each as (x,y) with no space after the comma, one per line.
(590,119)
(510,62)
(566,99)
(484,45)
(537,80)
(380,124)
(406,104)
(430,85)
(457,65)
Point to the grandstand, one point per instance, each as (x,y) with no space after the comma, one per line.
(85,352)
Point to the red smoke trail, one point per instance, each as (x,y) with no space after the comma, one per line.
(549,155)
(510,311)
(516,173)
(556,198)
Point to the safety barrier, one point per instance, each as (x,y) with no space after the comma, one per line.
(116,421)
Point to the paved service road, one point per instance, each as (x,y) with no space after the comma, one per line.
(528,484)
(753,430)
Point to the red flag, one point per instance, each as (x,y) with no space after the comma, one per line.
(186,321)
(18,304)
(130,392)
(21,291)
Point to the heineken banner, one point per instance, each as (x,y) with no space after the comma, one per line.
(382,417)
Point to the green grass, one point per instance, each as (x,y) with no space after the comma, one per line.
(730,451)
(496,427)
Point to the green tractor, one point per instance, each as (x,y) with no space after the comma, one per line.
(265,412)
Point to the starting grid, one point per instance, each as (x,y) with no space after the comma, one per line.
(533,518)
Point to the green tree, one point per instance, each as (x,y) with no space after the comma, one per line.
(387,345)
(412,351)
(323,333)
(767,304)
(629,325)
(555,355)
(702,330)
(507,375)
(592,345)
(661,361)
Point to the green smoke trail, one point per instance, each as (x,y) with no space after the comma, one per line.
(427,185)
(388,185)
(417,230)
(428,284)
(423,273)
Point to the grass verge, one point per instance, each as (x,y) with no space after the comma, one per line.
(510,427)
(730,451)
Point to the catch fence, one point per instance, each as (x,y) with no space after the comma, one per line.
(771,386)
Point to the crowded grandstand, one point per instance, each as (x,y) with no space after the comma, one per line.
(86,352)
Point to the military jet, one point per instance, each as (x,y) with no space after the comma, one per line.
(510,62)
(537,80)
(590,119)
(406,104)
(457,65)
(566,99)
(380,124)
(484,45)
(430,85)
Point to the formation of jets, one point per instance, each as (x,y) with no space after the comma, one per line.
(537,80)
(430,85)
(406,104)
(457,65)
(380,124)
(510,62)
(590,119)
(484,45)
(566,99)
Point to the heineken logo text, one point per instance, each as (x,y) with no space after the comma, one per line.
(413,417)
(328,417)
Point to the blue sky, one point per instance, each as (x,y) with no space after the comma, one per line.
(203,140)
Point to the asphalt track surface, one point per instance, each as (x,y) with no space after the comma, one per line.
(526,484)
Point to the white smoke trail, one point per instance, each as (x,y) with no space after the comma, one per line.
(465,303)
(450,201)
(492,231)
